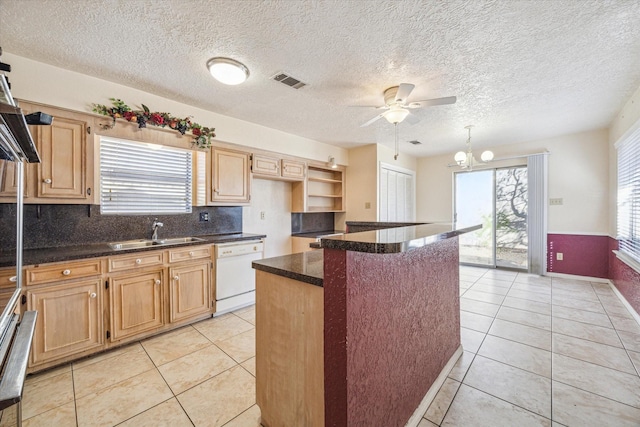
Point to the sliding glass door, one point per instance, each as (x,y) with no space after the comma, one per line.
(496,199)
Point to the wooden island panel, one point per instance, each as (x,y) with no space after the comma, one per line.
(289,351)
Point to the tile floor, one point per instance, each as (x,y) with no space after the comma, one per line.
(538,351)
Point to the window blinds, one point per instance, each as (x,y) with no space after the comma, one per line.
(629,196)
(139,179)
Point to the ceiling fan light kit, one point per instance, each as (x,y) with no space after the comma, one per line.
(466,160)
(228,71)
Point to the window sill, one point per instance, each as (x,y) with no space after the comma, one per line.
(635,265)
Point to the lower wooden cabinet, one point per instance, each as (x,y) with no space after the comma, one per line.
(136,303)
(189,292)
(69,319)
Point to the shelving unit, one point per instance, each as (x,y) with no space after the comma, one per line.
(322,191)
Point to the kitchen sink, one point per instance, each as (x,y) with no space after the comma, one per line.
(145,243)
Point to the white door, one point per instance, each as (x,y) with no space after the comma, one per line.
(396,198)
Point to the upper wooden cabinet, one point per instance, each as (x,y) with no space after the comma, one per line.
(323,190)
(62,148)
(9,179)
(275,168)
(230,177)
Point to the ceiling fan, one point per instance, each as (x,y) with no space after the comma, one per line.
(397,107)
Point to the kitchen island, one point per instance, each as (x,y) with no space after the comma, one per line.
(360,333)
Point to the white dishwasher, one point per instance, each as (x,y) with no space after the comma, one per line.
(235,278)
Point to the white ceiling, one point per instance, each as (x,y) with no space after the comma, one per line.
(522,70)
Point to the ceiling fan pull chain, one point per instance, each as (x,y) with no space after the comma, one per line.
(396,156)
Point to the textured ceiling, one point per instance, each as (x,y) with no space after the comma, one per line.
(522,70)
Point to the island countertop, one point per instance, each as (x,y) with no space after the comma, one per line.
(308,267)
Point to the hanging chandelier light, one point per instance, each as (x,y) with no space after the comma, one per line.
(465,159)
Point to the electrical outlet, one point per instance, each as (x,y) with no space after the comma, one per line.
(204,216)
(262,214)
(555,202)
(559,256)
(367,205)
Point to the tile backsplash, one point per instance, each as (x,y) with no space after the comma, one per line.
(48,226)
(310,222)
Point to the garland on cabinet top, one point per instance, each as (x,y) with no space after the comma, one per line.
(201,135)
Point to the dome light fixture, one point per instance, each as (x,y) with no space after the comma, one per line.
(396,114)
(228,71)
(465,159)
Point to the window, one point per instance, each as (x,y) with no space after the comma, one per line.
(629,196)
(138,178)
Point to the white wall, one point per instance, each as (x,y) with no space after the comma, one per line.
(46,84)
(626,119)
(274,199)
(578,173)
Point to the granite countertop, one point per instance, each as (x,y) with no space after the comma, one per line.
(316,234)
(304,267)
(69,253)
(394,240)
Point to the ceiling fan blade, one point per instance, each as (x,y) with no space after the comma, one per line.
(373,120)
(404,90)
(377,107)
(412,119)
(433,102)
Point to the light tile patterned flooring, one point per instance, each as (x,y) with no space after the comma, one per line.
(537,349)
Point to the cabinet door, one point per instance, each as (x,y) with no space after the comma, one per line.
(63,153)
(230,176)
(264,165)
(293,169)
(9,178)
(69,319)
(189,290)
(136,304)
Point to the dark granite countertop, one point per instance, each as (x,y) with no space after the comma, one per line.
(304,267)
(316,234)
(394,240)
(68,253)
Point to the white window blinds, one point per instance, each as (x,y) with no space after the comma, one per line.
(629,196)
(138,178)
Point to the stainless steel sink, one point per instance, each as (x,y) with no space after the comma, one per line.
(145,243)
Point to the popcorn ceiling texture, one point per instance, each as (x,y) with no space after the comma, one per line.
(522,70)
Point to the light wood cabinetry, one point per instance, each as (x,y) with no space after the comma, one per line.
(135,261)
(9,179)
(301,244)
(189,292)
(275,168)
(323,191)
(50,273)
(69,319)
(230,177)
(62,148)
(136,303)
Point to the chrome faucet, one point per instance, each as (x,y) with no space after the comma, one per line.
(156,224)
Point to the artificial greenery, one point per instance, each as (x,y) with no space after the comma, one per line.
(201,135)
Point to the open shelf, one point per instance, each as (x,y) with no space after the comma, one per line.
(322,191)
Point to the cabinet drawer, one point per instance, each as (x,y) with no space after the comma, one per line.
(47,273)
(191,252)
(7,279)
(139,260)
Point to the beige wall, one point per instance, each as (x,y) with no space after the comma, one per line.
(627,120)
(274,199)
(43,83)
(578,173)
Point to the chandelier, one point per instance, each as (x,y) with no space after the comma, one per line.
(465,159)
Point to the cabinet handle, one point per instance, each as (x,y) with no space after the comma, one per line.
(138,261)
(66,272)
(92,295)
(176,277)
(157,281)
(13,278)
(215,191)
(47,181)
(190,253)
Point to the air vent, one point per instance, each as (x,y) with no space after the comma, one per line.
(288,80)
(415,142)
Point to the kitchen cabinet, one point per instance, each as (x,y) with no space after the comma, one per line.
(69,319)
(323,190)
(275,168)
(189,292)
(137,303)
(301,244)
(230,177)
(9,179)
(62,174)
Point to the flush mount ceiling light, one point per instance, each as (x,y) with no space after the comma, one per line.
(465,159)
(227,70)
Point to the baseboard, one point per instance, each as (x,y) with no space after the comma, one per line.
(433,390)
(576,277)
(625,302)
